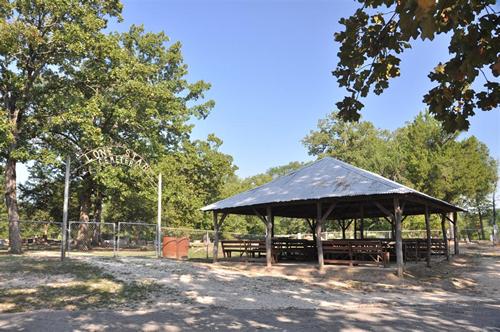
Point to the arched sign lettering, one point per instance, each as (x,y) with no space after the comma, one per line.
(115,156)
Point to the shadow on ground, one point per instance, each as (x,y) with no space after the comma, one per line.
(457,317)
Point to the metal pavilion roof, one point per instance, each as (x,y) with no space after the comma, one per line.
(327,178)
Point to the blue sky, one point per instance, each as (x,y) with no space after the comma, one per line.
(270,62)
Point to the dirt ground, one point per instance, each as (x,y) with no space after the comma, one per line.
(473,276)
(463,294)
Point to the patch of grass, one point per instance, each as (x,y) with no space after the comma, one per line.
(89,287)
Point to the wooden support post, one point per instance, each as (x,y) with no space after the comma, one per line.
(319,244)
(445,237)
(399,240)
(361,228)
(362,224)
(320,220)
(269,230)
(216,238)
(272,227)
(428,231)
(455,233)
(450,224)
(355,229)
(217,226)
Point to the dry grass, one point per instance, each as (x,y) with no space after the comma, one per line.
(30,283)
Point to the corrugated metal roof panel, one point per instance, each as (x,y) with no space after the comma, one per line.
(325,178)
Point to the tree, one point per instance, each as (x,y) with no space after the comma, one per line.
(39,42)
(357,143)
(381,30)
(479,183)
(130,91)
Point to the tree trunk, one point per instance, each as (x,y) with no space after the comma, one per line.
(481,225)
(84,236)
(15,242)
(96,237)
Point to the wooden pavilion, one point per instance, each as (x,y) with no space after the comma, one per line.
(330,189)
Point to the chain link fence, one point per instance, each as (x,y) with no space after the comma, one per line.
(140,239)
(95,237)
(137,239)
(40,235)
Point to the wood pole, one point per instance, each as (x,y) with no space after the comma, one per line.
(65,209)
(269,230)
(399,239)
(319,245)
(445,237)
(428,230)
(361,229)
(455,233)
(450,224)
(272,227)
(158,221)
(361,225)
(216,238)
(355,228)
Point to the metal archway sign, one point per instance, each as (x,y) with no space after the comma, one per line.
(117,156)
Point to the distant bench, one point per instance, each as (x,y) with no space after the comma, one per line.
(352,252)
(355,252)
(282,248)
(416,249)
(247,247)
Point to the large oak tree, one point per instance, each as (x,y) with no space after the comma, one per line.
(39,42)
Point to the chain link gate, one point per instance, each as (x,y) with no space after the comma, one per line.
(137,239)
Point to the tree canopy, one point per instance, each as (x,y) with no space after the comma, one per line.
(377,34)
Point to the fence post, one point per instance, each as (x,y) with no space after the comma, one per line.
(118,239)
(65,208)
(158,230)
(69,237)
(114,240)
(207,241)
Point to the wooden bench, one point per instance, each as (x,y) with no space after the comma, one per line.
(282,248)
(247,247)
(416,249)
(355,252)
